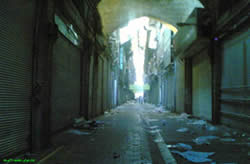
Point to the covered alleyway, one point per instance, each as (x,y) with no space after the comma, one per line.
(124,81)
(143,134)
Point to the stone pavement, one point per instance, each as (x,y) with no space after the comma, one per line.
(230,146)
(144,134)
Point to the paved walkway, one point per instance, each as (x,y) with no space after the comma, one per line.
(140,134)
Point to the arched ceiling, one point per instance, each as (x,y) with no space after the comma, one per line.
(117,13)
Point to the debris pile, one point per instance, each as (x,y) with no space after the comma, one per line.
(161,109)
(81,123)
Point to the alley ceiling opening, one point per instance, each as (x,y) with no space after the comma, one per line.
(117,13)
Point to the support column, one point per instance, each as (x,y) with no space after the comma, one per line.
(45,35)
(188,86)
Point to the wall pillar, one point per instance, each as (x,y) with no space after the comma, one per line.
(44,37)
(188,86)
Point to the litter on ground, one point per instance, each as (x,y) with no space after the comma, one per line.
(226,134)
(211,128)
(204,139)
(158,140)
(198,122)
(154,131)
(180,146)
(164,122)
(152,120)
(182,130)
(78,132)
(184,116)
(196,157)
(227,139)
(153,127)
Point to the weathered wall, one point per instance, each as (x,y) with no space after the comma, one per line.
(99,90)
(170,91)
(202,86)
(91,85)
(180,85)
(154,93)
(235,81)
(65,93)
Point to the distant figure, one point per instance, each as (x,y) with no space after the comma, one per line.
(141,100)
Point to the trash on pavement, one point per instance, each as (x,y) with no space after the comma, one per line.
(98,122)
(184,146)
(164,122)
(78,132)
(79,122)
(227,139)
(184,116)
(182,130)
(235,133)
(154,131)
(161,109)
(211,128)
(180,146)
(171,146)
(91,124)
(196,157)
(243,135)
(94,123)
(198,122)
(158,140)
(152,120)
(153,127)
(226,134)
(116,155)
(204,139)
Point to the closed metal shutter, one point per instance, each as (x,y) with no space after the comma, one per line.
(99,88)
(170,90)
(16,31)
(65,96)
(202,86)
(235,81)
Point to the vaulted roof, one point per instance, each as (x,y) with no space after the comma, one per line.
(117,13)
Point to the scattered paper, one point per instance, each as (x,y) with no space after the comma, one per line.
(180,146)
(198,122)
(227,139)
(78,132)
(182,130)
(226,134)
(195,157)
(204,139)
(154,127)
(211,128)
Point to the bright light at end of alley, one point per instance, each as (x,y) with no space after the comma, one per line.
(137,33)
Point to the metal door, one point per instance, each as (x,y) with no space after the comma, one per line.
(235,81)
(202,86)
(65,93)
(16,41)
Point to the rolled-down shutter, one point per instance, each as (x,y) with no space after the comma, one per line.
(65,96)
(16,31)
(202,86)
(235,81)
